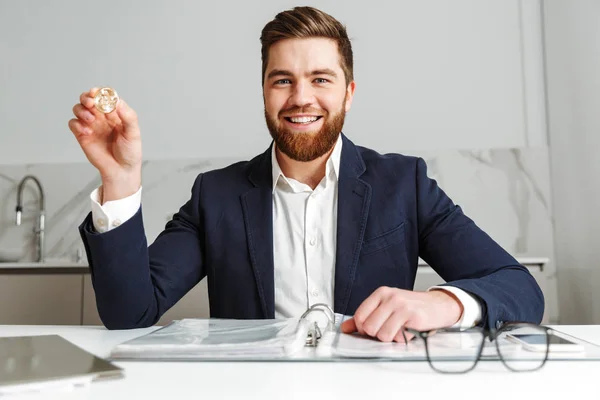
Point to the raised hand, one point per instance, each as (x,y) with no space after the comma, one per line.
(112,143)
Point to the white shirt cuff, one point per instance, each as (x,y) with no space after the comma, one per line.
(471,308)
(113,213)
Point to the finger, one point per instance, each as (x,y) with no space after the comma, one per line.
(78,128)
(349,326)
(403,336)
(87,98)
(83,113)
(376,320)
(392,327)
(128,117)
(365,309)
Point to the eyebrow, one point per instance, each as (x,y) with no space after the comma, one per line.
(283,72)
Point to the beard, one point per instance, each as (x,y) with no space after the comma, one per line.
(310,145)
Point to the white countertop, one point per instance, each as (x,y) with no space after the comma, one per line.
(319,380)
(42,265)
(530,262)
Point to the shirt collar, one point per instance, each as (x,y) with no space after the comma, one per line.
(332,166)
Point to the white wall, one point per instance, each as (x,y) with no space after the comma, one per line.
(430,74)
(572,34)
(461,80)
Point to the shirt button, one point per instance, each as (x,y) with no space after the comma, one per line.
(315,293)
(116,223)
(313,241)
(100,222)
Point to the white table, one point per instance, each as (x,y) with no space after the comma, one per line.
(318,380)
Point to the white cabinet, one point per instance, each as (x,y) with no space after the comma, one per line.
(193,305)
(90,312)
(40,299)
(64,295)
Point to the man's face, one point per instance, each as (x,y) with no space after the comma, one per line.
(306,96)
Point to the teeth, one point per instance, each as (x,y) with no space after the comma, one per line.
(303,120)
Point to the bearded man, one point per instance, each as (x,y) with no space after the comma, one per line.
(314,219)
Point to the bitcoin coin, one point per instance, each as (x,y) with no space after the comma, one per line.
(106,100)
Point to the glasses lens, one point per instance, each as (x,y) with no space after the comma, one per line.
(454,351)
(523,347)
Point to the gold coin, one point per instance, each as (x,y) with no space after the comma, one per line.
(106,100)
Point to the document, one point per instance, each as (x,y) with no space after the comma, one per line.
(308,339)
(218,339)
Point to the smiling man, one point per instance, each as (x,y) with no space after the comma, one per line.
(314,219)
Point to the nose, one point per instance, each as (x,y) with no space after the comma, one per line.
(302,95)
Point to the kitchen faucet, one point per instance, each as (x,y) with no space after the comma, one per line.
(40,229)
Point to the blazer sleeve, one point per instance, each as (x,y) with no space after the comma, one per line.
(136,284)
(467,258)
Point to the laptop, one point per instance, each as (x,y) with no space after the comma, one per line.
(39,361)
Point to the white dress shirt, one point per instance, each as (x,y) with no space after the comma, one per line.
(304,240)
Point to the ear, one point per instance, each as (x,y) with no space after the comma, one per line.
(350,95)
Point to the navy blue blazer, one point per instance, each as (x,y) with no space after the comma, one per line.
(389,214)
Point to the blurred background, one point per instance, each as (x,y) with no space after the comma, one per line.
(500,97)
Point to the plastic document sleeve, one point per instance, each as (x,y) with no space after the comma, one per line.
(315,336)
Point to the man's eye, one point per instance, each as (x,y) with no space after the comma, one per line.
(282,82)
(321,80)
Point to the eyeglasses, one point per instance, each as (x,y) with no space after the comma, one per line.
(458,351)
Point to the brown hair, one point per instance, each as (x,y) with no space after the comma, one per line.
(307,22)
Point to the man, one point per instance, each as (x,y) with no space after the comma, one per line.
(313,219)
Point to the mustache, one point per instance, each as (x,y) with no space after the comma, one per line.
(301,110)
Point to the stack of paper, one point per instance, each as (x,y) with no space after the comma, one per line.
(457,348)
(218,339)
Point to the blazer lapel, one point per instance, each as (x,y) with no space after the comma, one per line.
(354,196)
(257,206)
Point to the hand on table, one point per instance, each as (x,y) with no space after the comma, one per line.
(385,313)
